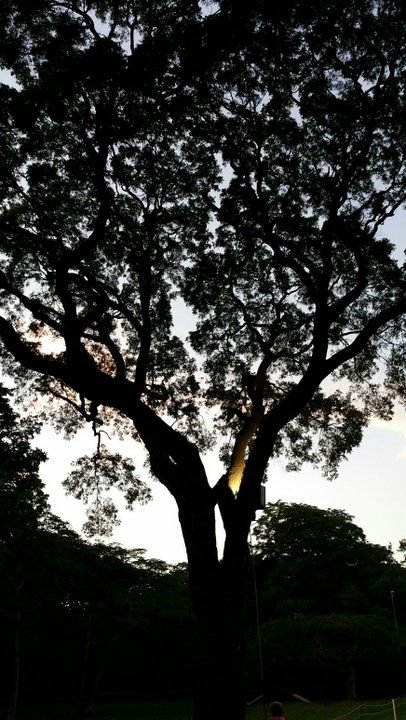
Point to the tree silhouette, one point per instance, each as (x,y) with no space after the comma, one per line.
(324,598)
(244,159)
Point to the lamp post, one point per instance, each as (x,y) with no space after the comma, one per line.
(392,594)
(395,620)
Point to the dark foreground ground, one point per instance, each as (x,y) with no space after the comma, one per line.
(181,709)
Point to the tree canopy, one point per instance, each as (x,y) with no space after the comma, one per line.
(319,561)
(325,603)
(244,159)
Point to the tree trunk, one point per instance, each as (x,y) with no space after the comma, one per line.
(219,662)
(96,654)
(218,589)
(351,687)
(15,672)
(351,682)
(218,592)
(14,664)
(85,663)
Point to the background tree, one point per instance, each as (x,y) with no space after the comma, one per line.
(244,159)
(327,657)
(325,603)
(111,594)
(23,510)
(87,618)
(70,601)
(319,561)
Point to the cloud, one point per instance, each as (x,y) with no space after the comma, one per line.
(396,425)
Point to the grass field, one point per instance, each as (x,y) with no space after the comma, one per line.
(181,710)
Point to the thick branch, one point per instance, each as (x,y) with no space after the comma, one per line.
(36,307)
(370,329)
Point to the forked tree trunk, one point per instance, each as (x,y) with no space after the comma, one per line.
(86,708)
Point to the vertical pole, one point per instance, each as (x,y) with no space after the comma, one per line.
(395,620)
(392,594)
(261,665)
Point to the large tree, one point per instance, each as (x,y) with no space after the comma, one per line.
(243,157)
